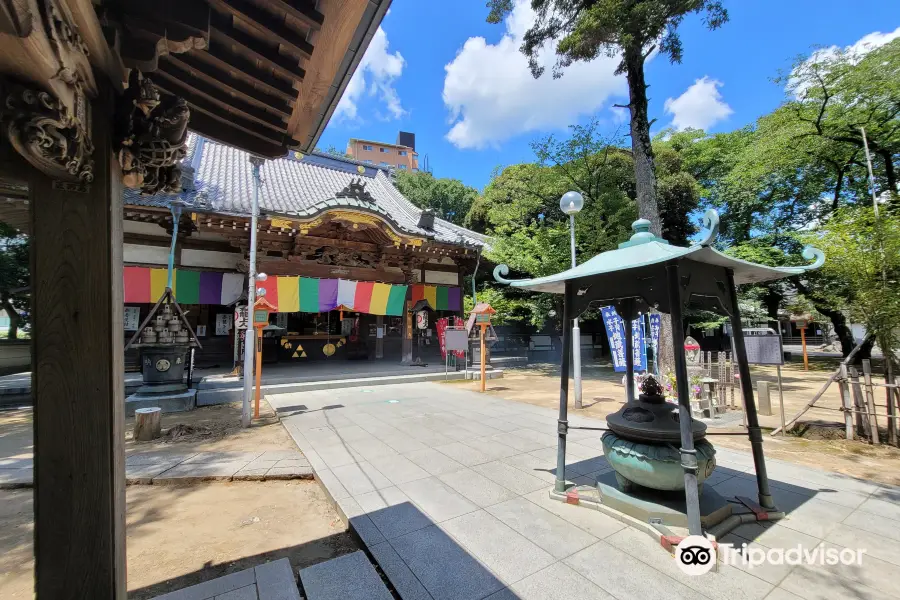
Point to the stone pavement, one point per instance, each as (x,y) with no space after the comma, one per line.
(182,468)
(448,489)
(269,581)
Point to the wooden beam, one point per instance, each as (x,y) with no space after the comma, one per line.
(216,127)
(231,118)
(342,19)
(222,29)
(311,269)
(303,11)
(267,25)
(220,56)
(229,83)
(78,378)
(193,88)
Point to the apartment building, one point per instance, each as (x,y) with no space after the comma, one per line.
(400,155)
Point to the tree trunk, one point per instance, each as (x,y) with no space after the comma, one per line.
(645,178)
(889,172)
(5,304)
(772,300)
(644,168)
(841,329)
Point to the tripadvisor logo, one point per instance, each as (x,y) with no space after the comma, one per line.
(696,555)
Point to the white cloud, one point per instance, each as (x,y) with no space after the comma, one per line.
(699,107)
(375,75)
(492,96)
(854,51)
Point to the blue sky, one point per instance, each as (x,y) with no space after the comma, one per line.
(460,84)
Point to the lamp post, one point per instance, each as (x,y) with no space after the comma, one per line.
(253,278)
(571,203)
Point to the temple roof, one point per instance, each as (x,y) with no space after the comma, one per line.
(299,186)
(645,249)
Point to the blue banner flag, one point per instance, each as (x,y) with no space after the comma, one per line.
(638,344)
(615,333)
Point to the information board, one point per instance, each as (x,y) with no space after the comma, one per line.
(456,340)
(132,318)
(764,348)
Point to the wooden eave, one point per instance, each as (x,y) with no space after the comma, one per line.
(261,75)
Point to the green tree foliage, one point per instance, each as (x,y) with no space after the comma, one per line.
(864,252)
(14,277)
(451,199)
(629,29)
(520,206)
(798,165)
(836,94)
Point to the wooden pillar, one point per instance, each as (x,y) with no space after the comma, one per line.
(78,377)
(407,334)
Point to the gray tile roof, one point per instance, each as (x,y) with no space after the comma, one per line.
(297,185)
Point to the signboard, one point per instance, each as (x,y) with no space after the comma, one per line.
(482,318)
(763,347)
(456,340)
(132,318)
(201,330)
(241,316)
(422,319)
(223,324)
(260,317)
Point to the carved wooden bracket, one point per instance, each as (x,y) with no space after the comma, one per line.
(48,135)
(150,137)
(45,108)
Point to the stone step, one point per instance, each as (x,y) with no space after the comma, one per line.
(268,581)
(348,577)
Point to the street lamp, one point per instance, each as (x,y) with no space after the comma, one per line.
(571,203)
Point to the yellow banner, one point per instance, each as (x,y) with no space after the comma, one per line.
(380,294)
(158,278)
(431,296)
(288,294)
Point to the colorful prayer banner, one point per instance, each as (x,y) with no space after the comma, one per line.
(290,294)
(438,297)
(144,285)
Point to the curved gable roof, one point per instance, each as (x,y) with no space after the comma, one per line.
(298,186)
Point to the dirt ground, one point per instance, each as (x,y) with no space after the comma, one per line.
(603,393)
(210,428)
(181,536)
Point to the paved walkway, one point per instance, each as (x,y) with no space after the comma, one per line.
(182,468)
(449,491)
